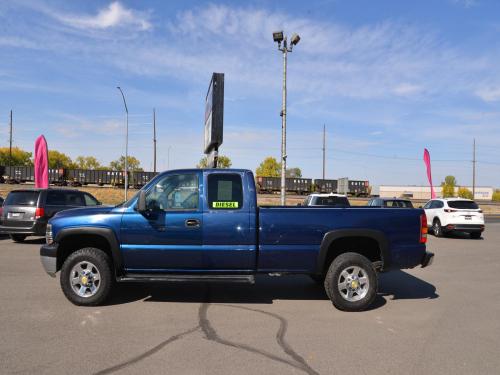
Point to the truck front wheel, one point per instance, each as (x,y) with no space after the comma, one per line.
(351,282)
(87,277)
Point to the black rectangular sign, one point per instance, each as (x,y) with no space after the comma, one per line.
(214,113)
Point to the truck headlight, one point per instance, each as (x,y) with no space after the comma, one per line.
(48,234)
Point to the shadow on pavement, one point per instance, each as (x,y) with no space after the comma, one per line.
(398,284)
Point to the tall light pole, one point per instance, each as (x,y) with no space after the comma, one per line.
(154,140)
(126,142)
(279,38)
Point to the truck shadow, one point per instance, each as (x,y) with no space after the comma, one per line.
(398,284)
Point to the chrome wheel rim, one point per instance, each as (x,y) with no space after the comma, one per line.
(437,230)
(353,283)
(85,279)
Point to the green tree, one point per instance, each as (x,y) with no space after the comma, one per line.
(59,160)
(19,156)
(222,162)
(449,186)
(463,192)
(293,172)
(119,165)
(496,195)
(269,168)
(87,162)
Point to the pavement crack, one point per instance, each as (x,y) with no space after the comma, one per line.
(211,334)
(148,353)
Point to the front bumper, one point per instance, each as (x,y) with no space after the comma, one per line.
(48,257)
(427,259)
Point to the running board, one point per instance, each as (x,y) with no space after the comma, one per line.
(242,279)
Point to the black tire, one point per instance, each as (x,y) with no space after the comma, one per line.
(102,262)
(18,237)
(342,262)
(475,235)
(437,229)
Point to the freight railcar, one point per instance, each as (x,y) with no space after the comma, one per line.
(294,185)
(358,188)
(325,186)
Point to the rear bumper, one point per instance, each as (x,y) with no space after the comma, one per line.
(427,259)
(37,229)
(464,228)
(48,257)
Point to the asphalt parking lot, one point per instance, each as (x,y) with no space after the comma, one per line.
(441,320)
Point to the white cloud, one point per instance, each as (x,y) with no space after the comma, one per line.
(466,3)
(407,89)
(113,16)
(489,94)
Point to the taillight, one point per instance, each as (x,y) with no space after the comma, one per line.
(449,210)
(423,228)
(39,213)
(480,211)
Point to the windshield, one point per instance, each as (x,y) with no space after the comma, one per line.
(332,201)
(399,204)
(22,198)
(463,205)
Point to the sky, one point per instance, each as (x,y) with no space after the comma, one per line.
(387,78)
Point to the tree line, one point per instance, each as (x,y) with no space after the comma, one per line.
(59,160)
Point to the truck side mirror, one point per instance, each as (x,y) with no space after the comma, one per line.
(141,201)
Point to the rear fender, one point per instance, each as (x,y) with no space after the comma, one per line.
(333,235)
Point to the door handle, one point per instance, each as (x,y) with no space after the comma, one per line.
(192,223)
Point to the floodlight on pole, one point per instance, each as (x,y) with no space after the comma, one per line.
(279,38)
(126,142)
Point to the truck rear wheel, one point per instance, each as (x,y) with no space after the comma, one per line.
(87,277)
(351,282)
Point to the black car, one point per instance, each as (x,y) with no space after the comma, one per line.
(25,212)
(390,203)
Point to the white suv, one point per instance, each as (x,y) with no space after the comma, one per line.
(454,214)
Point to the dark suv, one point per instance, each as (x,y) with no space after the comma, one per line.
(390,203)
(25,212)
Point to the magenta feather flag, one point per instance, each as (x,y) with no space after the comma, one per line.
(41,163)
(427,161)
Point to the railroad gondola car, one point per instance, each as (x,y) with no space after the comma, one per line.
(325,186)
(358,188)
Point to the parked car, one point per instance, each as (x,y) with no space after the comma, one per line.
(454,215)
(205,225)
(390,203)
(26,212)
(330,200)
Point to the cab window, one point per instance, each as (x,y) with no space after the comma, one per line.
(177,192)
(225,191)
(90,200)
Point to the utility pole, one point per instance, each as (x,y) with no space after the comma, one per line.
(154,140)
(279,38)
(10,142)
(324,149)
(474,169)
(126,142)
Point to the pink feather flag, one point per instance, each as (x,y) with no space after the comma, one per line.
(427,161)
(41,163)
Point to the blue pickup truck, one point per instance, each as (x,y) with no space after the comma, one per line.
(205,225)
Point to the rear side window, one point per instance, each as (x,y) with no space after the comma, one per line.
(463,205)
(22,198)
(90,200)
(332,201)
(225,191)
(64,198)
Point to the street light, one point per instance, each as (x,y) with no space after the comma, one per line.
(279,38)
(126,142)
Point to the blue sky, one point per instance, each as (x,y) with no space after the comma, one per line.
(388,78)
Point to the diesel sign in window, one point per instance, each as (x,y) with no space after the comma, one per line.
(225,191)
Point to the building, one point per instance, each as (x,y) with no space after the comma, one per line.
(424,192)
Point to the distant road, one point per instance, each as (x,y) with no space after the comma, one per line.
(492,218)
